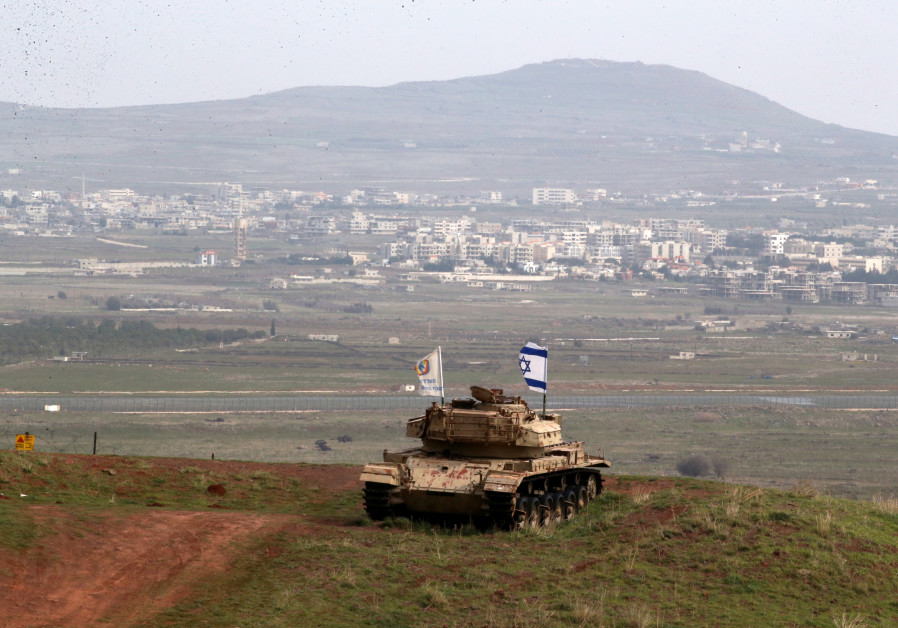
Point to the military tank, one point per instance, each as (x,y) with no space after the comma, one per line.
(490,458)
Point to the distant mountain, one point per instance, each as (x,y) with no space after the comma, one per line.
(585,123)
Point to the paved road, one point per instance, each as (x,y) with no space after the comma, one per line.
(300,403)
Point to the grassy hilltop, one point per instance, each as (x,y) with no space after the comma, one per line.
(88,540)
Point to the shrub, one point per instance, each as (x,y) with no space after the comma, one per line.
(114,304)
(694,466)
(721,465)
(358,308)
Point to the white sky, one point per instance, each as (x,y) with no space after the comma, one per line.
(835,61)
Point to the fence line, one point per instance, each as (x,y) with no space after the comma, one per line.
(329,403)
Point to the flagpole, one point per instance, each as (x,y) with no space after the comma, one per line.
(442,392)
(546,389)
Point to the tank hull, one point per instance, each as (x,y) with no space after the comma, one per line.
(496,490)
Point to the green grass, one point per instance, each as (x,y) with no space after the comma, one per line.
(694,554)
(650,551)
(127,481)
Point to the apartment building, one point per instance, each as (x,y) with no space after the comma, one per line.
(645,250)
(553,196)
(774,242)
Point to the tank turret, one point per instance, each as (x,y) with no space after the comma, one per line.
(490,425)
(487,457)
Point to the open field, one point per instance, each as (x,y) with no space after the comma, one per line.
(748,362)
(600,341)
(125,541)
(841,453)
(599,337)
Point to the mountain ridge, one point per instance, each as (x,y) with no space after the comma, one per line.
(565,122)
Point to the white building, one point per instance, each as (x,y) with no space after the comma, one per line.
(669,250)
(206,258)
(553,196)
(773,243)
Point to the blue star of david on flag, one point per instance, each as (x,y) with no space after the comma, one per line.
(534,363)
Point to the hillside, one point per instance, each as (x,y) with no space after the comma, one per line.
(624,126)
(89,540)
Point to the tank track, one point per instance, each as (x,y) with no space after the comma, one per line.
(544,501)
(540,501)
(377,500)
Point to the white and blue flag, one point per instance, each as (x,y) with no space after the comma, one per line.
(534,362)
(430,371)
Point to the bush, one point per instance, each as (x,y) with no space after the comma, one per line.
(270,306)
(358,308)
(114,304)
(694,466)
(721,465)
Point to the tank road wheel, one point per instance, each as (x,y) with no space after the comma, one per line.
(569,505)
(559,505)
(550,509)
(582,499)
(592,487)
(546,506)
(522,512)
(377,500)
(534,513)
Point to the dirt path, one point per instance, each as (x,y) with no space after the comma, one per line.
(121,568)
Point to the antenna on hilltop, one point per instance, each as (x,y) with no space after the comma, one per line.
(83,193)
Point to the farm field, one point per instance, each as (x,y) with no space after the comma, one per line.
(840,453)
(600,339)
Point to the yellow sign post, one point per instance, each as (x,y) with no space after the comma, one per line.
(25,442)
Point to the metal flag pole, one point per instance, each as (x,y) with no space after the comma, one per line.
(440,358)
(546,389)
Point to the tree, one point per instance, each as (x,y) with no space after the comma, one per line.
(272,328)
(694,466)
(107,325)
(720,464)
(114,304)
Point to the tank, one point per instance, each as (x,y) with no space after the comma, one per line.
(489,458)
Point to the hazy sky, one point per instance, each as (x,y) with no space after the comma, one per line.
(836,61)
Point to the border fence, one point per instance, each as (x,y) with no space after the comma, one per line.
(411,403)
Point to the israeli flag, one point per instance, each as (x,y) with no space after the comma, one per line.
(534,362)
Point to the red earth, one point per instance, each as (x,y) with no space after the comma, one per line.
(121,568)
